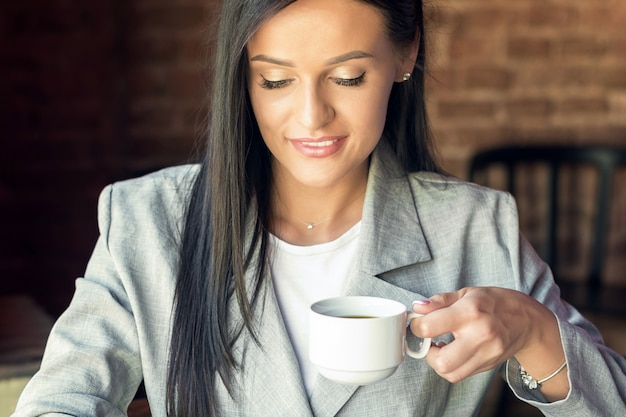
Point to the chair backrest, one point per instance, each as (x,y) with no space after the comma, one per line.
(604,160)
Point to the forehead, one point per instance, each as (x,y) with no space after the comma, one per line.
(322,27)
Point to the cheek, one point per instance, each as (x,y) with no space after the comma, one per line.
(268,113)
(262,116)
(371,111)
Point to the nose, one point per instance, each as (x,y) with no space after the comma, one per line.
(313,109)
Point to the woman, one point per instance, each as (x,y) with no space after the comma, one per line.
(318,180)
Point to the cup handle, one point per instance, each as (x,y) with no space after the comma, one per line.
(425,343)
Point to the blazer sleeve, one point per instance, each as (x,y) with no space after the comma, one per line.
(597,375)
(91,363)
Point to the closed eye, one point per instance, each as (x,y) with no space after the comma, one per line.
(270,85)
(350,82)
(344,82)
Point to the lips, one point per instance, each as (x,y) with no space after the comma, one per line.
(318,147)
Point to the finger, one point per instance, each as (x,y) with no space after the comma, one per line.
(437,301)
(439,321)
(454,371)
(454,364)
(467,369)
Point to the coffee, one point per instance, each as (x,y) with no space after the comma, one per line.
(358,317)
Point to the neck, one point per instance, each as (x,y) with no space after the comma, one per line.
(311,216)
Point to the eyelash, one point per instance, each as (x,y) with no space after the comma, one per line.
(350,82)
(271,85)
(344,82)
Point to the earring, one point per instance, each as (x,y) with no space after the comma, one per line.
(406,76)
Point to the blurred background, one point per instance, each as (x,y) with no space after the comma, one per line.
(91,92)
(96,91)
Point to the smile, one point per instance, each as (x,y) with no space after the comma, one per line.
(320,147)
(320,144)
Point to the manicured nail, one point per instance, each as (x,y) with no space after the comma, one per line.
(423,302)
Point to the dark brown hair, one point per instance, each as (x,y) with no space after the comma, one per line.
(233,187)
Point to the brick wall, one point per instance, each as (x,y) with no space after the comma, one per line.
(94,91)
(526,71)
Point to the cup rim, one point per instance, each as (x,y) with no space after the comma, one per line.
(325,306)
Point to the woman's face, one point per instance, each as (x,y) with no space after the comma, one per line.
(321,72)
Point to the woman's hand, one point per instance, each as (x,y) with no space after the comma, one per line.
(491,325)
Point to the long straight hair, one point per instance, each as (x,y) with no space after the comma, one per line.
(233,188)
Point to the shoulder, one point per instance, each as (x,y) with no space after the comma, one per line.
(165,184)
(156,199)
(472,231)
(168,180)
(439,192)
(451,206)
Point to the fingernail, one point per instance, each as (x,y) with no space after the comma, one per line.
(423,302)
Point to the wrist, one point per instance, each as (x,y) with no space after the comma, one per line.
(532,383)
(542,360)
(543,338)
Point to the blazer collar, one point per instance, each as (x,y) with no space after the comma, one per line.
(392,236)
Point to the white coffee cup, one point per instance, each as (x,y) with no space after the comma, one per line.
(360,340)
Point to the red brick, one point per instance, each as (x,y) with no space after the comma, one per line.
(472,48)
(583,46)
(481,18)
(483,136)
(527,47)
(546,15)
(540,133)
(617,109)
(488,77)
(556,75)
(611,76)
(465,109)
(583,105)
(617,46)
(607,17)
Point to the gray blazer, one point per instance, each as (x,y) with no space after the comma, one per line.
(420,235)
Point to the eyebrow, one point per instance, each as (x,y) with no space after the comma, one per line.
(332,61)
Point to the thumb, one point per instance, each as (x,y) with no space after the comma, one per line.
(437,301)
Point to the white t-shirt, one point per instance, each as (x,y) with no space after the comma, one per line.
(303,275)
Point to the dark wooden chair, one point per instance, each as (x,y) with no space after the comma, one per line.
(554,182)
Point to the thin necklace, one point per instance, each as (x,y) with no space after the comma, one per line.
(310,225)
(313,225)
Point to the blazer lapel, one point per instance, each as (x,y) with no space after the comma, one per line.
(391,238)
(270,382)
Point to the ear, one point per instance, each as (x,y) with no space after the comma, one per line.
(407,58)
